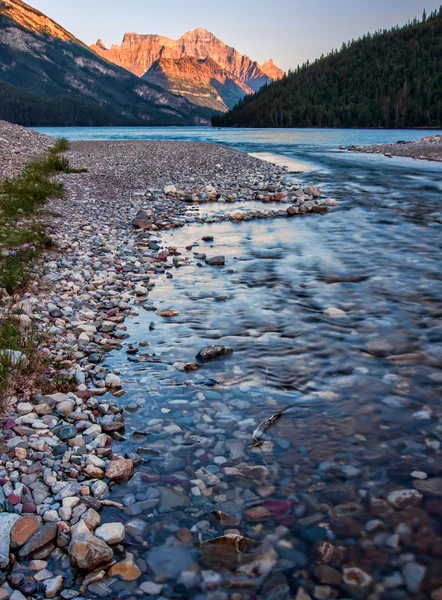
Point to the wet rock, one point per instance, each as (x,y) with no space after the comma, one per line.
(111,533)
(225,552)
(120,469)
(150,588)
(136,527)
(169,312)
(211,352)
(258,474)
(44,536)
(328,575)
(52,586)
(402,498)
(335,312)
(429,487)
(170,561)
(126,570)
(86,550)
(216,261)
(257,513)
(170,498)
(112,381)
(356,577)
(414,574)
(328,553)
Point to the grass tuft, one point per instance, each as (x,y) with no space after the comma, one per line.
(21,241)
(61,145)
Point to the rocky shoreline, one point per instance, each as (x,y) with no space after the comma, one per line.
(428,148)
(56,459)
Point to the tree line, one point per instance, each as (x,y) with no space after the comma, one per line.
(390,79)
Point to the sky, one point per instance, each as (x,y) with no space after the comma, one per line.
(289,31)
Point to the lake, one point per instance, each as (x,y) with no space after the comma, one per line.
(356,398)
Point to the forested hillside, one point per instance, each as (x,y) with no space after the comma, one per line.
(389,79)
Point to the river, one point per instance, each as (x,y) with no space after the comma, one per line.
(362,391)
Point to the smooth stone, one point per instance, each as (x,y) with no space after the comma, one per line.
(86,550)
(111,533)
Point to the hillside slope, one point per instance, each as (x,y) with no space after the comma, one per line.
(49,77)
(391,79)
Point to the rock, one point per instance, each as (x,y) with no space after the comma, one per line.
(111,533)
(126,570)
(99,489)
(170,312)
(402,498)
(23,530)
(170,498)
(24,408)
(86,550)
(16,358)
(112,381)
(7,522)
(91,519)
(211,352)
(150,588)
(45,534)
(170,561)
(136,527)
(120,469)
(258,474)
(429,487)
(226,551)
(414,574)
(335,312)
(65,432)
(17,596)
(327,575)
(142,220)
(356,577)
(257,513)
(53,586)
(215,261)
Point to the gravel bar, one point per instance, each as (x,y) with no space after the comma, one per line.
(428,148)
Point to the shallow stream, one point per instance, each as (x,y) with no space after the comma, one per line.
(363,390)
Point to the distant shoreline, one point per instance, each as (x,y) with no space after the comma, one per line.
(428,148)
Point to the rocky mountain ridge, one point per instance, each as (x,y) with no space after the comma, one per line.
(156,58)
(49,77)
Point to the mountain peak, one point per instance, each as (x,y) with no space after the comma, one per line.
(271,70)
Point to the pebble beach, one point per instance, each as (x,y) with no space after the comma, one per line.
(57,464)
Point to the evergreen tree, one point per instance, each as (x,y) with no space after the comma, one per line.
(390,79)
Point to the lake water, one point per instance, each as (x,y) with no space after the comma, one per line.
(363,390)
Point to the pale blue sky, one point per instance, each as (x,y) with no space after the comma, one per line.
(289,31)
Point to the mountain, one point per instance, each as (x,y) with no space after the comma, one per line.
(49,77)
(140,55)
(391,79)
(202,82)
(271,70)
